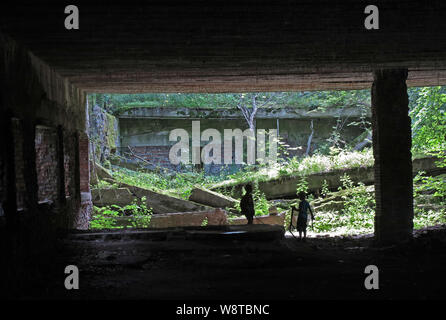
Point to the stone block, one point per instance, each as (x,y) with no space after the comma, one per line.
(268,219)
(211,198)
(106,197)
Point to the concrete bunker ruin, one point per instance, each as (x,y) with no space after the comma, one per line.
(46,72)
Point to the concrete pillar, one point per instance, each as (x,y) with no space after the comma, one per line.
(83,169)
(393,159)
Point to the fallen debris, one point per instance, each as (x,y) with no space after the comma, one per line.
(211,198)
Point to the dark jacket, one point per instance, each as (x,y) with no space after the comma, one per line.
(247,205)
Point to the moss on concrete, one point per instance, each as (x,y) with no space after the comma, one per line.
(112,132)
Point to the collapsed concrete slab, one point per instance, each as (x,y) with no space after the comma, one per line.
(160,203)
(98,172)
(213,217)
(106,197)
(267,219)
(286,187)
(211,198)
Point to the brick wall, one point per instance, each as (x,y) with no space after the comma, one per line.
(69,163)
(84,167)
(46,163)
(157,155)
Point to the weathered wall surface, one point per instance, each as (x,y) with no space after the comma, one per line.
(149,137)
(42,123)
(42,163)
(103,132)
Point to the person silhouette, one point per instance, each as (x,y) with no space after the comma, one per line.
(247,204)
(302,217)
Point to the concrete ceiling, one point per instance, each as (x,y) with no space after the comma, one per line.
(151,46)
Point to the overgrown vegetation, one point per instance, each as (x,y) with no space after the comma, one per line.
(298,166)
(357,216)
(179,184)
(107,217)
(428,113)
(117,103)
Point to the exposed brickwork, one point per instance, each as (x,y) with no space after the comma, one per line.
(157,155)
(46,163)
(393,160)
(84,165)
(69,163)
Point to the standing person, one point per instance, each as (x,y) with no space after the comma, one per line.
(247,204)
(302,217)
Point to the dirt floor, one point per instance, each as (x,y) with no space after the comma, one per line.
(212,269)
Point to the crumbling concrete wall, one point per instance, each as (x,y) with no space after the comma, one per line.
(149,137)
(103,133)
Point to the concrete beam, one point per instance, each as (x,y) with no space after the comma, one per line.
(278,112)
(232,46)
(392,141)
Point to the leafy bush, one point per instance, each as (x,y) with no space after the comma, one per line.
(357,215)
(105,217)
(177,185)
(425,218)
(261,205)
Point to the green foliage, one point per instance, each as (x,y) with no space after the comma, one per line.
(425,218)
(105,217)
(261,205)
(357,215)
(334,161)
(325,190)
(436,186)
(428,113)
(302,186)
(300,167)
(359,207)
(179,184)
(102,184)
(118,103)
